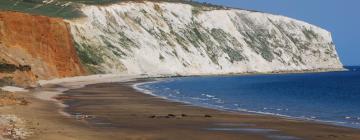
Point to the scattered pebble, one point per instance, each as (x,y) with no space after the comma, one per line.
(171,115)
(61,98)
(174,116)
(12,127)
(83,117)
(334,136)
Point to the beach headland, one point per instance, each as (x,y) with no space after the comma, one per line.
(110,108)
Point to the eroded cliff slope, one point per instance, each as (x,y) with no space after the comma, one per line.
(34,48)
(155,38)
(173,38)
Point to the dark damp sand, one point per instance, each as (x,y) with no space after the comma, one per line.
(117,111)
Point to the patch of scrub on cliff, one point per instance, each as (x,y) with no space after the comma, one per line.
(9,71)
(310,34)
(229,44)
(97,58)
(11,68)
(256,36)
(89,57)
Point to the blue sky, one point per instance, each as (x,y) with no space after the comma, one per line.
(340,17)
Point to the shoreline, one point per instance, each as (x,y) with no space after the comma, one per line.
(249,73)
(69,83)
(311,120)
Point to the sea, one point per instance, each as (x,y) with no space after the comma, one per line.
(328,97)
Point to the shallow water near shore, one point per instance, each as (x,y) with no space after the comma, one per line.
(330,97)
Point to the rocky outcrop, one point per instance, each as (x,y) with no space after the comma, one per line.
(183,39)
(34,48)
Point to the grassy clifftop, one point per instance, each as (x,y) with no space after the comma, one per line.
(70,8)
(60,8)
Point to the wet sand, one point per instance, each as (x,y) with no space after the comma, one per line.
(117,111)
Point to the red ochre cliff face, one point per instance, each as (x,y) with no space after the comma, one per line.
(36,48)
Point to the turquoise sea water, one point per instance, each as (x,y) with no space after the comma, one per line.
(331,97)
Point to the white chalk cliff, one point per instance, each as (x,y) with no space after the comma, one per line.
(182,39)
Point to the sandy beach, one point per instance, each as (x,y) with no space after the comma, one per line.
(114,110)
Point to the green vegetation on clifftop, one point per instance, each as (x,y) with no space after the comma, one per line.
(70,8)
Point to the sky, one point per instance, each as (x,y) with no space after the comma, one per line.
(340,17)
